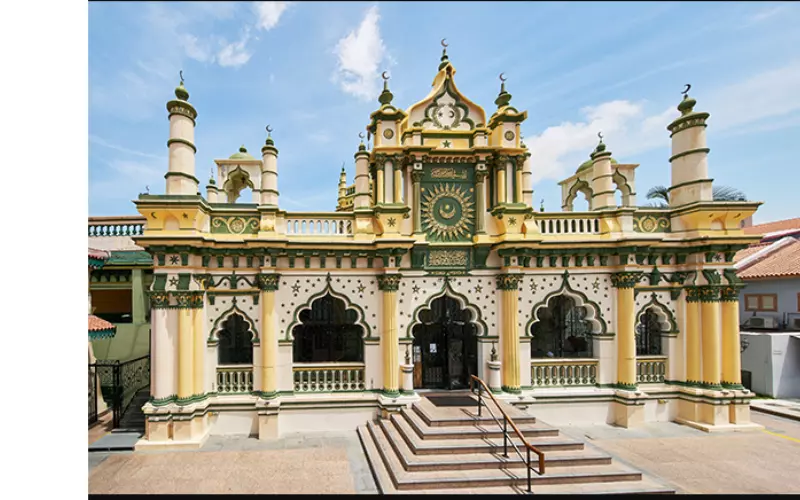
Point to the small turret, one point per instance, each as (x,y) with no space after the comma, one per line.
(689,160)
(269,172)
(180,177)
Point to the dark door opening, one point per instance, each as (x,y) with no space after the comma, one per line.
(445,346)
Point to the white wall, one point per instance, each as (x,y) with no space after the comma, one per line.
(774,361)
(786,289)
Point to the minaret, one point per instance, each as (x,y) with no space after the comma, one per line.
(342,187)
(269,172)
(690,182)
(602,183)
(212,191)
(362,194)
(527,177)
(182,115)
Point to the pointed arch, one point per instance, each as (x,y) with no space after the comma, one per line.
(580,186)
(235,346)
(463,302)
(237,180)
(665,317)
(213,336)
(593,315)
(347,304)
(623,186)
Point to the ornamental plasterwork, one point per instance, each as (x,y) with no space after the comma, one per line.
(446,112)
(445,258)
(652,224)
(449,173)
(447,212)
(547,284)
(234,225)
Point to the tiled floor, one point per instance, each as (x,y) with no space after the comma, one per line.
(101,428)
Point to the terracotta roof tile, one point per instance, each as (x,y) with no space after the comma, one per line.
(98,254)
(782,263)
(97,324)
(747,252)
(771,227)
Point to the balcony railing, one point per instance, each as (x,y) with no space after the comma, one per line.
(116,226)
(651,369)
(560,223)
(235,379)
(563,372)
(334,224)
(328,377)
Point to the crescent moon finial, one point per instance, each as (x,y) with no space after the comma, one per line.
(444,44)
(600,136)
(502,79)
(181,73)
(269,129)
(686,90)
(361,135)
(383,75)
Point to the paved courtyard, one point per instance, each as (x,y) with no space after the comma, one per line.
(689,460)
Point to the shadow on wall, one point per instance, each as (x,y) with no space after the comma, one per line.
(131,341)
(789,375)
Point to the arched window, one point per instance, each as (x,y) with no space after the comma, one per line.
(648,334)
(235,342)
(328,332)
(562,331)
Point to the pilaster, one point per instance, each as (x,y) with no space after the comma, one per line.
(508,284)
(268,284)
(390,344)
(625,282)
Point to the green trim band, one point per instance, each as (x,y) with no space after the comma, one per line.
(689,183)
(511,390)
(689,152)
(178,140)
(182,174)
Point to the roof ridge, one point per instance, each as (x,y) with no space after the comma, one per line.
(763,253)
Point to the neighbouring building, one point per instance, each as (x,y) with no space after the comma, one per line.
(770,309)
(266,321)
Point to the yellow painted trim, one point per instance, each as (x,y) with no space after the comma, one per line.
(510,342)
(198,362)
(269,343)
(731,352)
(185,353)
(711,333)
(389,340)
(626,340)
(692,341)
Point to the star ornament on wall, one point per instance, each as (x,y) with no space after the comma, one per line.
(361,288)
(534,286)
(478,289)
(415,289)
(296,288)
(596,284)
(173,281)
(173,259)
(446,144)
(391,222)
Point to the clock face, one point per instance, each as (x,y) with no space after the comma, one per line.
(388,133)
(509,135)
(447,211)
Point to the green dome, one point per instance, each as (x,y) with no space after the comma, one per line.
(588,164)
(241,155)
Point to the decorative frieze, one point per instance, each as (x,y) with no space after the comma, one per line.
(729,293)
(447,258)
(626,279)
(709,293)
(268,282)
(692,294)
(234,224)
(389,282)
(159,300)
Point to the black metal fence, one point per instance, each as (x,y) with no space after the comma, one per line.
(118,384)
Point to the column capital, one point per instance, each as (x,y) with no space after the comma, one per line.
(389,282)
(480,175)
(709,293)
(626,279)
(730,293)
(189,300)
(203,280)
(158,299)
(692,293)
(508,281)
(417,176)
(268,282)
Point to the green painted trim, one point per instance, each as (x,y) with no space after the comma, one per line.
(690,183)
(688,152)
(511,390)
(733,385)
(360,321)
(464,302)
(178,140)
(625,387)
(702,117)
(234,308)
(565,287)
(181,174)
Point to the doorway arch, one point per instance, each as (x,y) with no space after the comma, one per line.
(561,330)
(445,345)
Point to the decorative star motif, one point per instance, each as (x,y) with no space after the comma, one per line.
(512,221)
(718,257)
(596,284)
(391,222)
(415,289)
(173,281)
(534,286)
(361,288)
(185,216)
(478,288)
(296,288)
(173,259)
(446,144)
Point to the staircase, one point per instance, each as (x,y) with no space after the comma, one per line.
(133,418)
(436,449)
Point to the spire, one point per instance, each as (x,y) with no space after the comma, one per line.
(361,146)
(686,105)
(386,96)
(211,180)
(504,97)
(180,91)
(445,60)
(269,142)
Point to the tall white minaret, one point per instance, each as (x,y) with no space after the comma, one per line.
(689,160)
(182,116)
(269,172)
(362,195)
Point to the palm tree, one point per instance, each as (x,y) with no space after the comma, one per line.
(720,193)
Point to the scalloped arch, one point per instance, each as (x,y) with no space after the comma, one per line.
(213,336)
(347,304)
(593,315)
(462,300)
(580,186)
(665,317)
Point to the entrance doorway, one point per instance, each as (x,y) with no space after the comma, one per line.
(445,346)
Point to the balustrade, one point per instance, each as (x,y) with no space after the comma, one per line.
(234,379)
(329,377)
(311,225)
(651,369)
(568,225)
(563,372)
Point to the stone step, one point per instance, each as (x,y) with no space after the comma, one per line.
(472,461)
(646,486)
(473,445)
(471,430)
(443,479)
(435,416)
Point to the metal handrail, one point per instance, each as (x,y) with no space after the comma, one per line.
(507,420)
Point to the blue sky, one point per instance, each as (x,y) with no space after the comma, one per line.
(312,71)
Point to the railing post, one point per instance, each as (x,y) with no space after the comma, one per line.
(505,436)
(480,391)
(117,394)
(529,469)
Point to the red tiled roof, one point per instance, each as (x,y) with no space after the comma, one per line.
(747,252)
(781,263)
(98,324)
(98,254)
(771,227)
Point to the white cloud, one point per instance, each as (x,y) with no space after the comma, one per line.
(235,54)
(101,142)
(195,49)
(767,13)
(360,54)
(269,13)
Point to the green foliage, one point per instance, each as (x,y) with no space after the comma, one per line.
(660,195)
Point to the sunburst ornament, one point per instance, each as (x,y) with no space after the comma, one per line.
(447,211)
